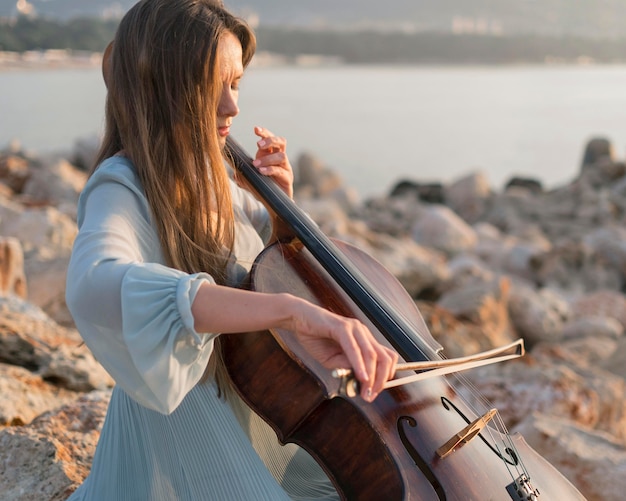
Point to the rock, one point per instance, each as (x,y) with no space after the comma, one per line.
(485,304)
(52,184)
(458,337)
(574,266)
(12,277)
(26,395)
(84,153)
(597,149)
(432,193)
(587,352)
(48,290)
(508,209)
(592,327)
(609,390)
(307,169)
(599,165)
(327,214)
(441,229)
(43,231)
(604,303)
(534,186)
(314,181)
(616,362)
(14,172)
(513,254)
(394,216)
(537,315)
(608,243)
(311,171)
(617,196)
(6,193)
(591,460)
(466,269)
(468,196)
(53,352)
(49,458)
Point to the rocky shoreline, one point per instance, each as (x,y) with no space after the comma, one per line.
(484,268)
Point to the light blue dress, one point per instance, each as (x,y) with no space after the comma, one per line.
(167,436)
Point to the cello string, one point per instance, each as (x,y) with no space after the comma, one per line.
(498,424)
(479,398)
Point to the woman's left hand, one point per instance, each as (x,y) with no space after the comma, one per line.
(271,159)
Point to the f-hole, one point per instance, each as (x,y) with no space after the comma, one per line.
(419,461)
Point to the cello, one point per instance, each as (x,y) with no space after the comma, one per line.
(423,440)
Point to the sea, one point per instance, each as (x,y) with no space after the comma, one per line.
(373,125)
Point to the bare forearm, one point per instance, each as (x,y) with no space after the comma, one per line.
(229,310)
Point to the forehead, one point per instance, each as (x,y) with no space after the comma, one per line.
(230,55)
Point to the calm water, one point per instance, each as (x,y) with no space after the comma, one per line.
(375,125)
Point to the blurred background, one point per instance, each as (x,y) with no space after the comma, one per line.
(443,94)
(380,91)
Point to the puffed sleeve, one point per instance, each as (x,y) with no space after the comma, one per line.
(133,312)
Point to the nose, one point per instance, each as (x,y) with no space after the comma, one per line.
(227,106)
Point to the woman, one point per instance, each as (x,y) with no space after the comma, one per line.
(165,236)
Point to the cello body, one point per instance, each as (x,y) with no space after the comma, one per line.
(386,449)
(390,449)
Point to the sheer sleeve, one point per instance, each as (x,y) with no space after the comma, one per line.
(133,312)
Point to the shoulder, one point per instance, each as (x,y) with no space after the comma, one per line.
(115,178)
(117,169)
(113,172)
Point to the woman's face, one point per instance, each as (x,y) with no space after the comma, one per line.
(231,71)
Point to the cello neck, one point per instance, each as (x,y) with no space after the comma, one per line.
(393,326)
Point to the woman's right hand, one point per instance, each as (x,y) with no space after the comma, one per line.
(341,342)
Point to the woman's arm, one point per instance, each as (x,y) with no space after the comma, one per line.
(333,340)
(132,311)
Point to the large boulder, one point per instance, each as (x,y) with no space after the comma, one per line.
(50,457)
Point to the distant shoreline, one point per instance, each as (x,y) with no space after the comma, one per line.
(56,59)
(48,59)
(60,59)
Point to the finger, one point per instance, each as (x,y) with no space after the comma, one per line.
(265,144)
(276,166)
(272,171)
(380,362)
(375,381)
(352,351)
(276,159)
(368,352)
(394,361)
(384,367)
(271,145)
(270,142)
(262,132)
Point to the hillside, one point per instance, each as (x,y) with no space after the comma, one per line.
(588,18)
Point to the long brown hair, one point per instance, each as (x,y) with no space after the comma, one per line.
(163,86)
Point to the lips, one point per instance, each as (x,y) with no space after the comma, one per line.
(224,130)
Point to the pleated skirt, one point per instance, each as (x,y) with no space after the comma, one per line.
(199,452)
